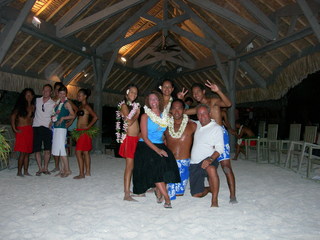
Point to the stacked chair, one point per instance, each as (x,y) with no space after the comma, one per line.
(300,150)
(265,145)
(252,143)
(284,145)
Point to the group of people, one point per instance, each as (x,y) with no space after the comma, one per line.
(41,125)
(167,148)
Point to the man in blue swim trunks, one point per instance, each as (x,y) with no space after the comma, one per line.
(215,104)
(179,138)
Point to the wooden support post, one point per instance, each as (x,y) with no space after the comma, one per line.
(232,67)
(98,74)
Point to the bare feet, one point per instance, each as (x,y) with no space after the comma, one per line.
(79,177)
(55,170)
(27,174)
(167,205)
(138,195)
(214,203)
(20,175)
(66,174)
(159,196)
(46,172)
(88,174)
(129,198)
(233,200)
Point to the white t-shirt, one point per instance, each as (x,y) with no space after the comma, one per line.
(207,140)
(43,112)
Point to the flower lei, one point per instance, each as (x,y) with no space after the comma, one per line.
(168,106)
(162,121)
(55,113)
(122,134)
(183,126)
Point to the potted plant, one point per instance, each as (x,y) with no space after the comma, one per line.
(4,149)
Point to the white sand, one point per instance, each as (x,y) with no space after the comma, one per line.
(274,203)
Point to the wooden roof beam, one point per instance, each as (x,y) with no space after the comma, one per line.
(236,19)
(99,16)
(277,43)
(12,28)
(253,74)
(311,17)
(259,15)
(148,31)
(74,12)
(221,44)
(103,47)
(5,2)
(85,63)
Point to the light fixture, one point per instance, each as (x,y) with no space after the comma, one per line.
(249,47)
(85,75)
(123,59)
(36,22)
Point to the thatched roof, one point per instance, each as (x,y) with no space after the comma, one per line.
(259,48)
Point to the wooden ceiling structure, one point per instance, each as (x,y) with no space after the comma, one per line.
(253,49)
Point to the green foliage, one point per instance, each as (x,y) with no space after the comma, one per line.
(92,132)
(4,147)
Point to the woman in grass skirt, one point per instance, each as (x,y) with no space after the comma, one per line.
(154,163)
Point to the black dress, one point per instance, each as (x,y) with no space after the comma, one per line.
(150,167)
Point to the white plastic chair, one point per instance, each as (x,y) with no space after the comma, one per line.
(294,135)
(312,159)
(252,143)
(299,148)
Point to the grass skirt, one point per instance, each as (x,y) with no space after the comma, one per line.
(150,168)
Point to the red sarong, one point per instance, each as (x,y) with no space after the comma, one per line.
(24,139)
(128,147)
(84,142)
(252,143)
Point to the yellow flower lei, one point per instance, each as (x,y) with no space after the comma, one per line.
(161,121)
(183,126)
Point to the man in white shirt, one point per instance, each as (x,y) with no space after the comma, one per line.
(207,146)
(41,128)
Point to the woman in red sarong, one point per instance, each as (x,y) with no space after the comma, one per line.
(84,142)
(21,123)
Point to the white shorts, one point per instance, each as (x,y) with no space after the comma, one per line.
(59,142)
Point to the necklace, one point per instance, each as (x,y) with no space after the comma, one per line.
(162,121)
(183,126)
(55,113)
(168,106)
(121,134)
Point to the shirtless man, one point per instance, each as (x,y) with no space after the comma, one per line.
(179,138)
(21,123)
(215,104)
(84,142)
(243,132)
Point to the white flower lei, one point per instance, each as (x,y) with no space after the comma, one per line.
(183,126)
(121,135)
(168,106)
(54,115)
(162,121)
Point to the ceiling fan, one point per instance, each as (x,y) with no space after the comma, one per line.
(164,47)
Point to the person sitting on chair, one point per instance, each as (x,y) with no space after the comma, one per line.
(243,133)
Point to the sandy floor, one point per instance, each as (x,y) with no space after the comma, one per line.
(274,203)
